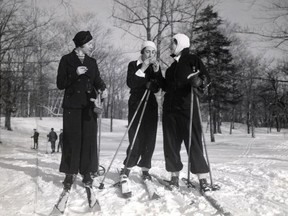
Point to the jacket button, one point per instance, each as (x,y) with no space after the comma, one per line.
(78,91)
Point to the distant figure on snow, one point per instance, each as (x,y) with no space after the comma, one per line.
(35,137)
(52,137)
(60,143)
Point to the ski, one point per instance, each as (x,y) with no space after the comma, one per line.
(164,182)
(92,200)
(172,188)
(213,202)
(151,189)
(125,186)
(60,206)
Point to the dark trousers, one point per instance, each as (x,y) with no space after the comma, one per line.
(59,146)
(35,144)
(53,145)
(79,153)
(175,131)
(145,141)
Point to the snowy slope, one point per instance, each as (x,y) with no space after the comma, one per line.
(252,173)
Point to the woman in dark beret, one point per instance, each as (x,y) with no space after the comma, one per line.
(79,77)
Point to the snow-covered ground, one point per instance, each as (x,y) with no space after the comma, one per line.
(252,173)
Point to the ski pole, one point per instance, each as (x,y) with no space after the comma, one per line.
(214,187)
(190,136)
(135,135)
(99,139)
(101,186)
(190,126)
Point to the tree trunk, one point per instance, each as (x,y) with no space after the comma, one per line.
(8,119)
(111,112)
(148,20)
(212,137)
(232,120)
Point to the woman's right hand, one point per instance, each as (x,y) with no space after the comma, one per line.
(145,64)
(81,70)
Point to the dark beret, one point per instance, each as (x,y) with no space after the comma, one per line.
(82,38)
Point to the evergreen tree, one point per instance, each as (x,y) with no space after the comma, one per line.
(213,48)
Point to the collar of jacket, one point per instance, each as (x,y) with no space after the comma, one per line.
(139,61)
(185,51)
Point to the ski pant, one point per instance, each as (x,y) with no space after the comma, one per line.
(35,144)
(175,131)
(79,152)
(59,146)
(53,145)
(145,141)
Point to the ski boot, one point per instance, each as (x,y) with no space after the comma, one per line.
(146,175)
(204,186)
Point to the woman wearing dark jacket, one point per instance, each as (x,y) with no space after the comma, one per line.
(142,74)
(79,76)
(176,111)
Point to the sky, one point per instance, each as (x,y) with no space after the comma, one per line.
(240,12)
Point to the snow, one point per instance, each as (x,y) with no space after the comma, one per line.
(252,173)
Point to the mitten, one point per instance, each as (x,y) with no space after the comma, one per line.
(152,86)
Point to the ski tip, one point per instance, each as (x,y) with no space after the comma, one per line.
(155,196)
(127,195)
(192,202)
(96,207)
(55,211)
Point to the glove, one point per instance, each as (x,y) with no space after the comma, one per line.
(196,81)
(104,94)
(97,105)
(152,86)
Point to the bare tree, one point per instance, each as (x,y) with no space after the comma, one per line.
(274,28)
(16,41)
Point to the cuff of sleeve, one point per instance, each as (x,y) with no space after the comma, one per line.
(140,73)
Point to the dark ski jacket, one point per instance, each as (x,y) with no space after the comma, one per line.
(61,137)
(137,84)
(35,136)
(177,86)
(52,136)
(78,89)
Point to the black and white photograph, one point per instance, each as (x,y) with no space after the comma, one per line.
(144,107)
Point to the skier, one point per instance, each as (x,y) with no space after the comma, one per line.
(35,137)
(52,137)
(142,74)
(79,76)
(176,112)
(60,143)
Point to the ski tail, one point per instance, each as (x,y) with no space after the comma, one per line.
(92,200)
(125,186)
(61,204)
(151,189)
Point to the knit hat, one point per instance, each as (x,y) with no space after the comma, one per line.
(148,43)
(82,38)
(183,42)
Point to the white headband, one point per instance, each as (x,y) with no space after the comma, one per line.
(183,42)
(148,43)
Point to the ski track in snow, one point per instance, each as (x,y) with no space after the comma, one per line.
(252,173)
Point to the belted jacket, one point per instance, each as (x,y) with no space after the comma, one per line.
(78,89)
(177,86)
